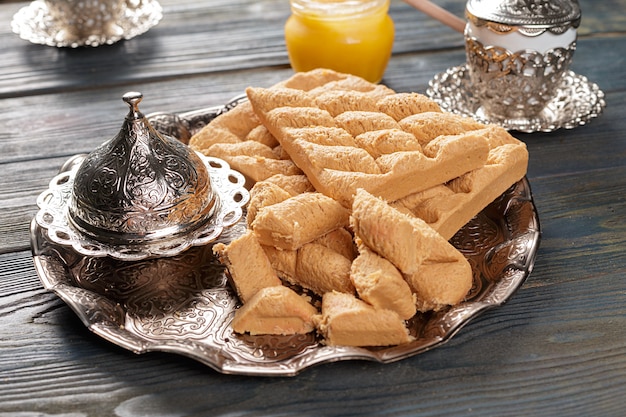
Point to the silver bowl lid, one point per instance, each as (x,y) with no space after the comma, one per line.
(140,185)
(535,13)
(140,195)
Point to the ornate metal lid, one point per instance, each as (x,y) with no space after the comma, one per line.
(140,195)
(140,185)
(534,13)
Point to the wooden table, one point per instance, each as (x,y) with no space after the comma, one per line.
(557,348)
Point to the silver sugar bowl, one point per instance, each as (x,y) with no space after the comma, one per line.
(77,23)
(518,52)
(141,195)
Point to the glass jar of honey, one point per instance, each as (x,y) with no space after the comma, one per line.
(349,36)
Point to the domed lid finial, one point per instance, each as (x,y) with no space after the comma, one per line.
(133,98)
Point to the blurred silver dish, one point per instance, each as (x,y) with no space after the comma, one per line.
(140,195)
(576,102)
(76,23)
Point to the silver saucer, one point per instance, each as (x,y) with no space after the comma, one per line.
(227,184)
(33,23)
(577,102)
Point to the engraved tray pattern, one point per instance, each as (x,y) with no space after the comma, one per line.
(184,304)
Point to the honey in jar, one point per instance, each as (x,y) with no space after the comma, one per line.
(349,36)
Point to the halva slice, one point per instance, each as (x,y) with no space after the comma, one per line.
(313,266)
(390,233)
(380,284)
(439,284)
(403,105)
(448,207)
(347,321)
(337,164)
(341,241)
(283,261)
(293,184)
(431,124)
(438,274)
(263,194)
(337,243)
(275,310)
(298,220)
(250,269)
(322,269)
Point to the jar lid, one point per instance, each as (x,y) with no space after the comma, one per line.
(531,13)
(337,9)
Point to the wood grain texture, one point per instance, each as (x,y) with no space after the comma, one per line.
(218,36)
(557,348)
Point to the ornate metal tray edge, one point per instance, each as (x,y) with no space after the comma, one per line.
(503,257)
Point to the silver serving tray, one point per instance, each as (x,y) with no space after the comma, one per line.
(184,304)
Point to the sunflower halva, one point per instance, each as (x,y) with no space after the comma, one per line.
(356,192)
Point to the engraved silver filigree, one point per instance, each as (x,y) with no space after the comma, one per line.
(577,101)
(515,84)
(141,194)
(140,185)
(228,185)
(79,23)
(184,304)
(529,17)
